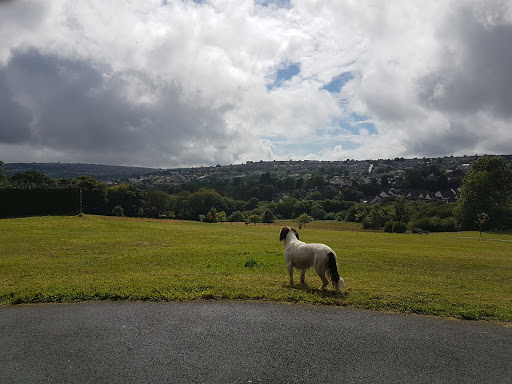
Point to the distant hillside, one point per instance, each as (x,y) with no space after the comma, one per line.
(65,170)
(357,170)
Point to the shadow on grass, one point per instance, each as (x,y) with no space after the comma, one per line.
(326,293)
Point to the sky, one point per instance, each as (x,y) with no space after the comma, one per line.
(182,83)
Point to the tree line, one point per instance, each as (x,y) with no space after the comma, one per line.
(486,189)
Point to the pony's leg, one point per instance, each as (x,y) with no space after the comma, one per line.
(321,274)
(290,271)
(324,282)
(302,276)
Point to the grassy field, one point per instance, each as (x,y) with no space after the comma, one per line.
(66,259)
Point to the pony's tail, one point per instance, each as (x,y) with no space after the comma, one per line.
(332,268)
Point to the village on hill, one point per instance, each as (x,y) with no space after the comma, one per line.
(338,175)
(378,181)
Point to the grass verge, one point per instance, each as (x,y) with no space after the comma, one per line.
(67,259)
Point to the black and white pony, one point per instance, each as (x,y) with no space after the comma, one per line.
(302,256)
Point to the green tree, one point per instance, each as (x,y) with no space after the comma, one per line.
(236,217)
(304,219)
(318,212)
(315,181)
(375,218)
(201,202)
(352,194)
(254,219)
(157,203)
(4,181)
(401,209)
(268,216)
(370,189)
(127,196)
(266,178)
(94,195)
(314,196)
(118,211)
(211,216)
(31,177)
(286,207)
(487,187)
(252,203)
(360,208)
(335,205)
(221,217)
(267,192)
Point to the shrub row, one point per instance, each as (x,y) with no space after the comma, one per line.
(435,224)
(395,226)
(40,200)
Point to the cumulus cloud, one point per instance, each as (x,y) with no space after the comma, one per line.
(187,83)
(440,85)
(123,115)
(471,77)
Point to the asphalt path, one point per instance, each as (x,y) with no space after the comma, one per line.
(244,342)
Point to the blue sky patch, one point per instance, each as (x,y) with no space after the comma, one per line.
(285,72)
(355,123)
(364,122)
(288,72)
(300,149)
(286,4)
(346,126)
(200,2)
(338,82)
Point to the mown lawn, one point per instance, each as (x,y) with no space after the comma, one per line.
(66,259)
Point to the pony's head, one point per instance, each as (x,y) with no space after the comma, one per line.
(284,232)
(340,284)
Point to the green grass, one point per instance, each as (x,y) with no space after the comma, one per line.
(66,259)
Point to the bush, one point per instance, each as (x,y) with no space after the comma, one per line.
(399,227)
(440,210)
(435,224)
(368,223)
(450,224)
(118,211)
(395,226)
(39,200)
(356,209)
(317,212)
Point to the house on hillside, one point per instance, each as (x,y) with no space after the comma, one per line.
(448,196)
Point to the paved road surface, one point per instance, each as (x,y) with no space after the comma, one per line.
(244,342)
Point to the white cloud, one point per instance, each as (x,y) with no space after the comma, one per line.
(128,82)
